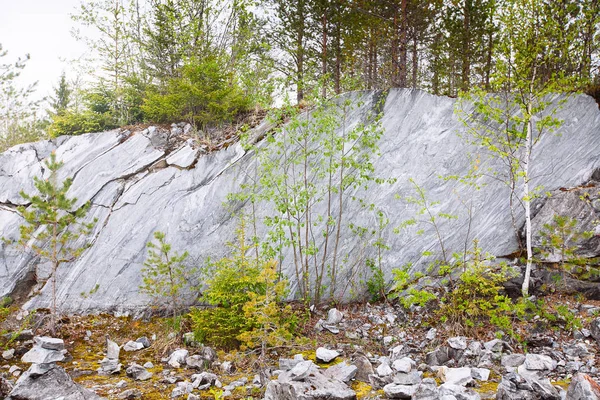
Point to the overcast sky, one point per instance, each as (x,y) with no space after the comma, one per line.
(41,28)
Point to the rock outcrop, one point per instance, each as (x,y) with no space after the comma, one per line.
(154,180)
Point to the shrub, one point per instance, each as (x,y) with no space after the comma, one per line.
(245,295)
(477,299)
(204,94)
(74,123)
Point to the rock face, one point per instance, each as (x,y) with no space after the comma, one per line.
(152,180)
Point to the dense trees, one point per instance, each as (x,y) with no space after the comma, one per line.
(146,50)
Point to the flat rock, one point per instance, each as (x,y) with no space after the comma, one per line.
(8,354)
(326,355)
(49,343)
(39,355)
(343,372)
(458,342)
(396,391)
(138,373)
(539,362)
(512,360)
(133,346)
(455,376)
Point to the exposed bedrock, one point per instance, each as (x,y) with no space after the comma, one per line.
(142,182)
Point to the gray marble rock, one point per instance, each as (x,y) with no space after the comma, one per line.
(326,355)
(343,372)
(314,385)
(112,350)
(134,191)
(133,346)
(397,391)
(54,383)
(582,387)
(49,343)
(138,373)
(39,355)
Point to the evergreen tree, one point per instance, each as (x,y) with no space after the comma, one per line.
(52,227)
(62,97)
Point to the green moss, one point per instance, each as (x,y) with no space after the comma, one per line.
(362,389)
(487,387)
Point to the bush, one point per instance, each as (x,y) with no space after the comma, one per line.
(245,295)
(74,123)
(205,94)
(477,299)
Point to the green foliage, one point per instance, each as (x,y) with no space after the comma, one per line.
(273,323)
(244,294)
(426,215)
(309,170)
(376,283)
(76,123)
(559,242)
(406,290)
(205,94)
(165,274)
(52,227)
(62,97)
(18,120)
(477,299)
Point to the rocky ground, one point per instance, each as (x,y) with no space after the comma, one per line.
(357,352)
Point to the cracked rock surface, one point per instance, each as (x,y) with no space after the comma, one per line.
(146,181)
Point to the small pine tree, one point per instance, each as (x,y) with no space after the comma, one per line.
(52,228)
(164,273)
(62,97)
(273,322)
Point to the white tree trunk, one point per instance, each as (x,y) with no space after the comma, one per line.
(527,202)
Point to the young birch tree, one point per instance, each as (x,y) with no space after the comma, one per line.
(520,105)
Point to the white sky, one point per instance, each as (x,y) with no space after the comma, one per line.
(41,28)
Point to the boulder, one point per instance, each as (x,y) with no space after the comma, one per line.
(177,358)
(54,383)
(138,373)
(343,372)
(112,350)
(582,387)
(397,391)
(334,316)
(364,368)
(539,362)
(404,365)
(427,390)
